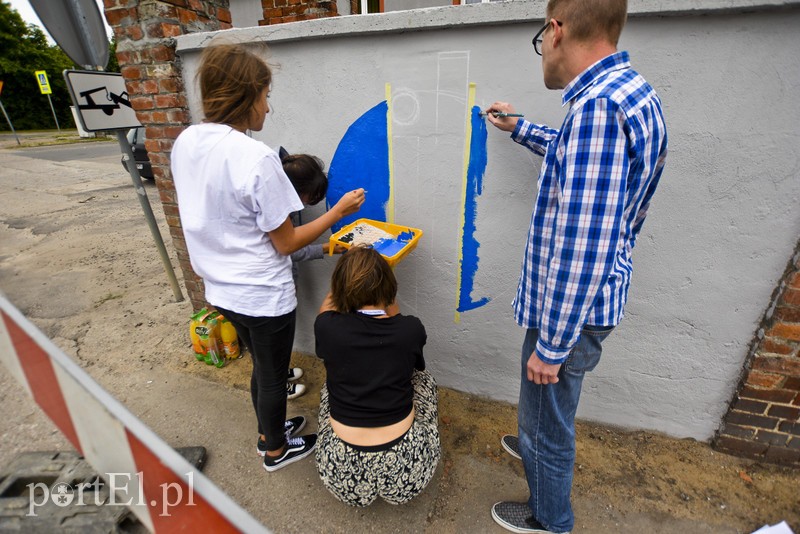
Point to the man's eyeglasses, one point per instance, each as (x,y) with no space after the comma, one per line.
(537,39)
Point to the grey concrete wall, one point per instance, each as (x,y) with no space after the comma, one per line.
(721,229)
(246,13)
(402,5)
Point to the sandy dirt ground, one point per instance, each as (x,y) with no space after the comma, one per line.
(77,259)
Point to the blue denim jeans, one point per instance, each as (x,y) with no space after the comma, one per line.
(546,418)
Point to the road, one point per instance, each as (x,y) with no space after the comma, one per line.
(99,152)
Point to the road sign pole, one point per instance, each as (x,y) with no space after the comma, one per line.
(54,112)
(9,122)
(148,214)
(115,113)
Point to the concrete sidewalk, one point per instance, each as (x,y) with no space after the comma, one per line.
(77,259)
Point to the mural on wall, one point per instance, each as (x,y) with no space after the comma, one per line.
(363,158)
(474,168)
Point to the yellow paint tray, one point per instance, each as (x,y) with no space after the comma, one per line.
(393,241)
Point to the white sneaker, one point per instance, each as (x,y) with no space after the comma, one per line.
(294,374)
(294,390)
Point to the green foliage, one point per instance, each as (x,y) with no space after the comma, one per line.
(23,50)
(113,64)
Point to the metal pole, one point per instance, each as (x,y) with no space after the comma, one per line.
(54,111)
(148,214)
(9,122)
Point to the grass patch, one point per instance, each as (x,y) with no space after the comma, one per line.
(32,139)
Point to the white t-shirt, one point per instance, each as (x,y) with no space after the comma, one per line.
(231,191)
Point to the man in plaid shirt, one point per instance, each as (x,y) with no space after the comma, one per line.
(599,174)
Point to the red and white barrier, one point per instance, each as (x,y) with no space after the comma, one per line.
(163,490)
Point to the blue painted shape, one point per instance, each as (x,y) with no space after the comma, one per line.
(405,236)
(470,245)
(362,160)
(388,247)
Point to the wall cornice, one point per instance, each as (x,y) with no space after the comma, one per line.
(434,18)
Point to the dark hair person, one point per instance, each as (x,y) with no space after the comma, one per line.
(234,201)
(378,416)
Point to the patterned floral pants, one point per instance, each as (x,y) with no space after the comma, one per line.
(397,474)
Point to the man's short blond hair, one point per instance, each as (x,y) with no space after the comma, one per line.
(591,19)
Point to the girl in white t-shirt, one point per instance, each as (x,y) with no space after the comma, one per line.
(234,201)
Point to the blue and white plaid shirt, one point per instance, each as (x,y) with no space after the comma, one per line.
(599,173)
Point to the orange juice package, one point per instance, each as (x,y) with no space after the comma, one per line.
(196,321)
(230,339)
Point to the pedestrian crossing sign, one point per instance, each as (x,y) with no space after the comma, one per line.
(44,85)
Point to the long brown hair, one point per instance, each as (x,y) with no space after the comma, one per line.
(362,277)
(231,79)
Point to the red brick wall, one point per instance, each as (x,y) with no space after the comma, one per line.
(763,421)
(279,11)
(146,52)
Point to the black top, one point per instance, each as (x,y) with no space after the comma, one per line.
(369,363)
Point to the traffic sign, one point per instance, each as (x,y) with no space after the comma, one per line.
(101,100)
(44,85)
(77,27)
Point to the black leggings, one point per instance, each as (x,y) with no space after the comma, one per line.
(270,341)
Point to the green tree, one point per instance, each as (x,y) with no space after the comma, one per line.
(24,50)
(113,64)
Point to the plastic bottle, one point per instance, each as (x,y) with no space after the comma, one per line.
(229,337)
(197,346)
(208,332)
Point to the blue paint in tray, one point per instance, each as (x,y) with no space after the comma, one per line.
(390,247)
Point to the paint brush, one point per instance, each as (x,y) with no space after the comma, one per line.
(501,114)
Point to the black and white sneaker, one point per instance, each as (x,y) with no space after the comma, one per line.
(511,445)
(294,390)
(517,517)
(292,427)
(294,374)
(296,449)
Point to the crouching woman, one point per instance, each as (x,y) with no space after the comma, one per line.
(378,417)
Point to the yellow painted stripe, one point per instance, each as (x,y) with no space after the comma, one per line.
(390,202)
(467,139)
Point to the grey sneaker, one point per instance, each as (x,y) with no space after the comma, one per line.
(511,445)
(296,449)
(291,427)
(517,517)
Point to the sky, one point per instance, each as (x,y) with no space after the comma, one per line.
(27,13)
